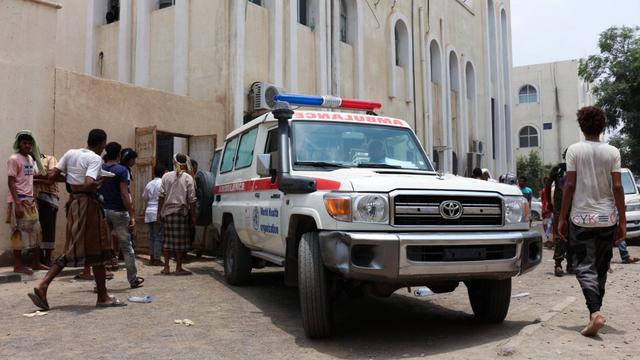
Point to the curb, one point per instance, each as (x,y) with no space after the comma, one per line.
(11,277)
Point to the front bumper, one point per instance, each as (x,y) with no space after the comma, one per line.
(390,257)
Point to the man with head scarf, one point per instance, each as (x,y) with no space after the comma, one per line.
(177,202)
(22,213)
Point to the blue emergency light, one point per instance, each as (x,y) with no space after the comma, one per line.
(328,101)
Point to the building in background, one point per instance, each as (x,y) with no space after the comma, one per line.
(547,97)
(442,65)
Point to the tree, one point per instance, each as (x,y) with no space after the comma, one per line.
(532,168)
(615,75)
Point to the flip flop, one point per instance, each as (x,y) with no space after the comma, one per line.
(137,282)
(114,303)
(82,276)
(38,300)
(167,272)
(108,276)
(182,273)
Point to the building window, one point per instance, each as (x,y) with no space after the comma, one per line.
(113,14)
(303,12)
(166,3)
(527,94)
(343,21)
(257,2)
(401,39)
(528,137)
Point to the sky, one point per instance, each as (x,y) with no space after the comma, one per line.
(552,30)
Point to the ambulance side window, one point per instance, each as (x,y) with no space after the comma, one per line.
(272,141)
(228,155)
(245,149)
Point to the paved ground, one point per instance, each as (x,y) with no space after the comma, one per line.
(262,321)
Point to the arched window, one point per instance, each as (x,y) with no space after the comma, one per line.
(344,27)
(401,39)
(528,137)
(527,94)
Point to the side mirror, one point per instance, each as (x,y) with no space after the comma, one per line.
(264,165)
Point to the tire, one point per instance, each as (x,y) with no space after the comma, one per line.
(237,259)
(313,288)
(490,299)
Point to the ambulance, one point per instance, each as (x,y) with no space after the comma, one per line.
(347,201)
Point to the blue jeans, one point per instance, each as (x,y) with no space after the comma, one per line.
(624,253)
(156,233)
(118,222)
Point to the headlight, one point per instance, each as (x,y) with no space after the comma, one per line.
(516,210)
(367,208)
(633,207)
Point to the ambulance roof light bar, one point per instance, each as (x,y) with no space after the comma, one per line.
(328,101)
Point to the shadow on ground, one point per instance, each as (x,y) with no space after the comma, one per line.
(398,326)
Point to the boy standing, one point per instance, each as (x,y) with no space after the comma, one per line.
(593,190)
(23,211)
(150,196)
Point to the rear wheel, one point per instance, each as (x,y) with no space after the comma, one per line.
(490,299)
(313,287)
(237,259)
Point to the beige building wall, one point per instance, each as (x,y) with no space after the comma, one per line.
(560,93)
(71,35)
(231,44)
(107,51)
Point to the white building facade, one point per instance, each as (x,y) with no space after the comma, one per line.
(442,65)
(547,97)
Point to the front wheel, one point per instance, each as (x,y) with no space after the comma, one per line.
(237,259)
(313,287)
(490,299)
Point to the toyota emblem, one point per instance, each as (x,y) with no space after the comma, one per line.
(451,209)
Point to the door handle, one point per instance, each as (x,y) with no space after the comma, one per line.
(257,195)
(275,196)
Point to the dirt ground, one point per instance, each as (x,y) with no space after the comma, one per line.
(261,321)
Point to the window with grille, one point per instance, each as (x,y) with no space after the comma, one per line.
(528,137)
(527,94)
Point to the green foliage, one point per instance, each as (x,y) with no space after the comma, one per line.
(615,75)
(531,166)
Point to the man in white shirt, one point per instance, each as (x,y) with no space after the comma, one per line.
(150,196)
(87,241)
(593,190)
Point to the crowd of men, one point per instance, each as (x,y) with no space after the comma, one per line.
(100,212)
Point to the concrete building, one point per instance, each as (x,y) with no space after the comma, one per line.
(443,65)
(546,98)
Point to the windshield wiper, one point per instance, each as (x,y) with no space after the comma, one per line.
(319,164)
(383,166)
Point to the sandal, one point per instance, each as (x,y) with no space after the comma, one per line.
(114,303)
(558,271)
(137,282)
(183,273)
(108,275)
(83,276)
(38,300)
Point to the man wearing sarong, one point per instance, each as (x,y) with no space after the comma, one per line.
(22,209)
(87,239)
(46,192)
(177,201)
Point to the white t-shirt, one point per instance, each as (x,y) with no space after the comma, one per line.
(77,164)
(151,195)
(593,202)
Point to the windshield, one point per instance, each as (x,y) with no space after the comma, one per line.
(627,183)
(336,145)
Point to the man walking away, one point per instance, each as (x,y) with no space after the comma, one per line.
(22,211)
(150,196)
(46,191)
(594,191)
(119,210)
(177,202)
(87,241)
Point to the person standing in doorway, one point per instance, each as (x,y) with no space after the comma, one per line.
(593,190)
(87,241)
(151,196)
(22,211)
(177,210)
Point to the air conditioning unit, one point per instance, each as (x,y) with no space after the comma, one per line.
(474,160)
(261,96)
(477,146)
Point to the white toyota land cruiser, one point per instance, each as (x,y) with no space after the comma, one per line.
(347,200)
